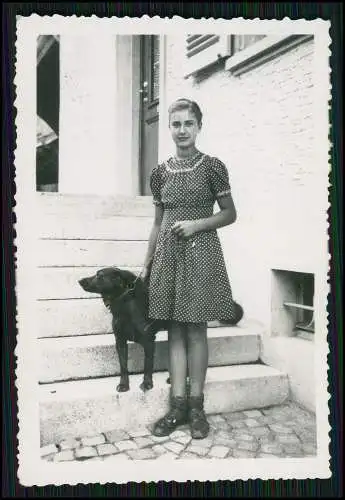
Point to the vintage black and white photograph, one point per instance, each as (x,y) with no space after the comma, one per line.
(172,196)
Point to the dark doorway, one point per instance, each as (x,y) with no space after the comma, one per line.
(48,107)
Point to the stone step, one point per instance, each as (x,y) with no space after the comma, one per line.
(67,318)
(79,408)
(74,226)
(97,253)
(62,282)
(73,358)
(99,206)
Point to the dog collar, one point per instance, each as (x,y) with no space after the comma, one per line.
(107,299)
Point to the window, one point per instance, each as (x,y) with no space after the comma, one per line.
(303,308)
(155,68)
(293,304)
(204,50)
(241,42)
(255,50)
(150,71)
(239,52)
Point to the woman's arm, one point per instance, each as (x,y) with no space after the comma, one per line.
(225,217)
(152,241)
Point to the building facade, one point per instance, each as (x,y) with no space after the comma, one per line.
(257,98)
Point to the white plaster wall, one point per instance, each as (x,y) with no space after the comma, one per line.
(261,125)
(127,113)
(296,357)
(88,128)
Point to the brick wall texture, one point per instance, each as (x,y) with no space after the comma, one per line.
(260,124)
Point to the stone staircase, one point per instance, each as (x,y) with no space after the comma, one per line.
(79,367)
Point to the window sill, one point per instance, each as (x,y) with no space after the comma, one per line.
(301,334)
(262,52)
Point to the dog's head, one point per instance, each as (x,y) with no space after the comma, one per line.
(109,281)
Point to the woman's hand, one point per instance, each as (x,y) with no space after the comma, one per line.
(184,229)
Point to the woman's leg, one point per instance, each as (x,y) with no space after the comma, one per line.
(178,411)
(197,367)
(197,357)
(177,358)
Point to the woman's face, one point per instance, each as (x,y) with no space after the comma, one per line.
(184,128)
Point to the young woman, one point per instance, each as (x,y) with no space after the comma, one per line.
(188,281)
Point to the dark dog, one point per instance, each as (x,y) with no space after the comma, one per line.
(125,295)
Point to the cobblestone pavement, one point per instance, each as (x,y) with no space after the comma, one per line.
(278,431)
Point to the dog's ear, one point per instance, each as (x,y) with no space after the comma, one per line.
(127,277)
(109,277)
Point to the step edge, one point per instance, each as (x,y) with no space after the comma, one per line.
(108,339)
(246,327)
(65,388)
(44,382)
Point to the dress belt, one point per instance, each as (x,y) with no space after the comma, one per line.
(181,207)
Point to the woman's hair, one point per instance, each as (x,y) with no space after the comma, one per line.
(192,106)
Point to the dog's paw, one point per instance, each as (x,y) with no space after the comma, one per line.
(146,385)
(122,387)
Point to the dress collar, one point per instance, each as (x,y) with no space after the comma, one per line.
(184,164)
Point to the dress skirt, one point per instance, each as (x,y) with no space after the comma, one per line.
(188,278)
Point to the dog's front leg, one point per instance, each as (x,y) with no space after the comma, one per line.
(149,351)
(122,351)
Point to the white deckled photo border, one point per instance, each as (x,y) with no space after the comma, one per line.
(34,471)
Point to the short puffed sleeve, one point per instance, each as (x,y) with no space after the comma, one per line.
(219,178)
(155,184)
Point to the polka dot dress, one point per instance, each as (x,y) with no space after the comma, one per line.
(188,279)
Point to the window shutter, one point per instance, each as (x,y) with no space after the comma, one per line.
(204,50)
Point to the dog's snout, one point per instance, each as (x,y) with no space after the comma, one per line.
(104,281)
(84,281)
(86,284)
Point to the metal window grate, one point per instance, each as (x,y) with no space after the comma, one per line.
(299,306)
(303,307)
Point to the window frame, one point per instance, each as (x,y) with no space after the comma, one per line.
(241,61)
(292,296)
(154,38)
(262,51)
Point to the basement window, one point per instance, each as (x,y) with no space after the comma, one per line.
(303,307)
(293,304)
